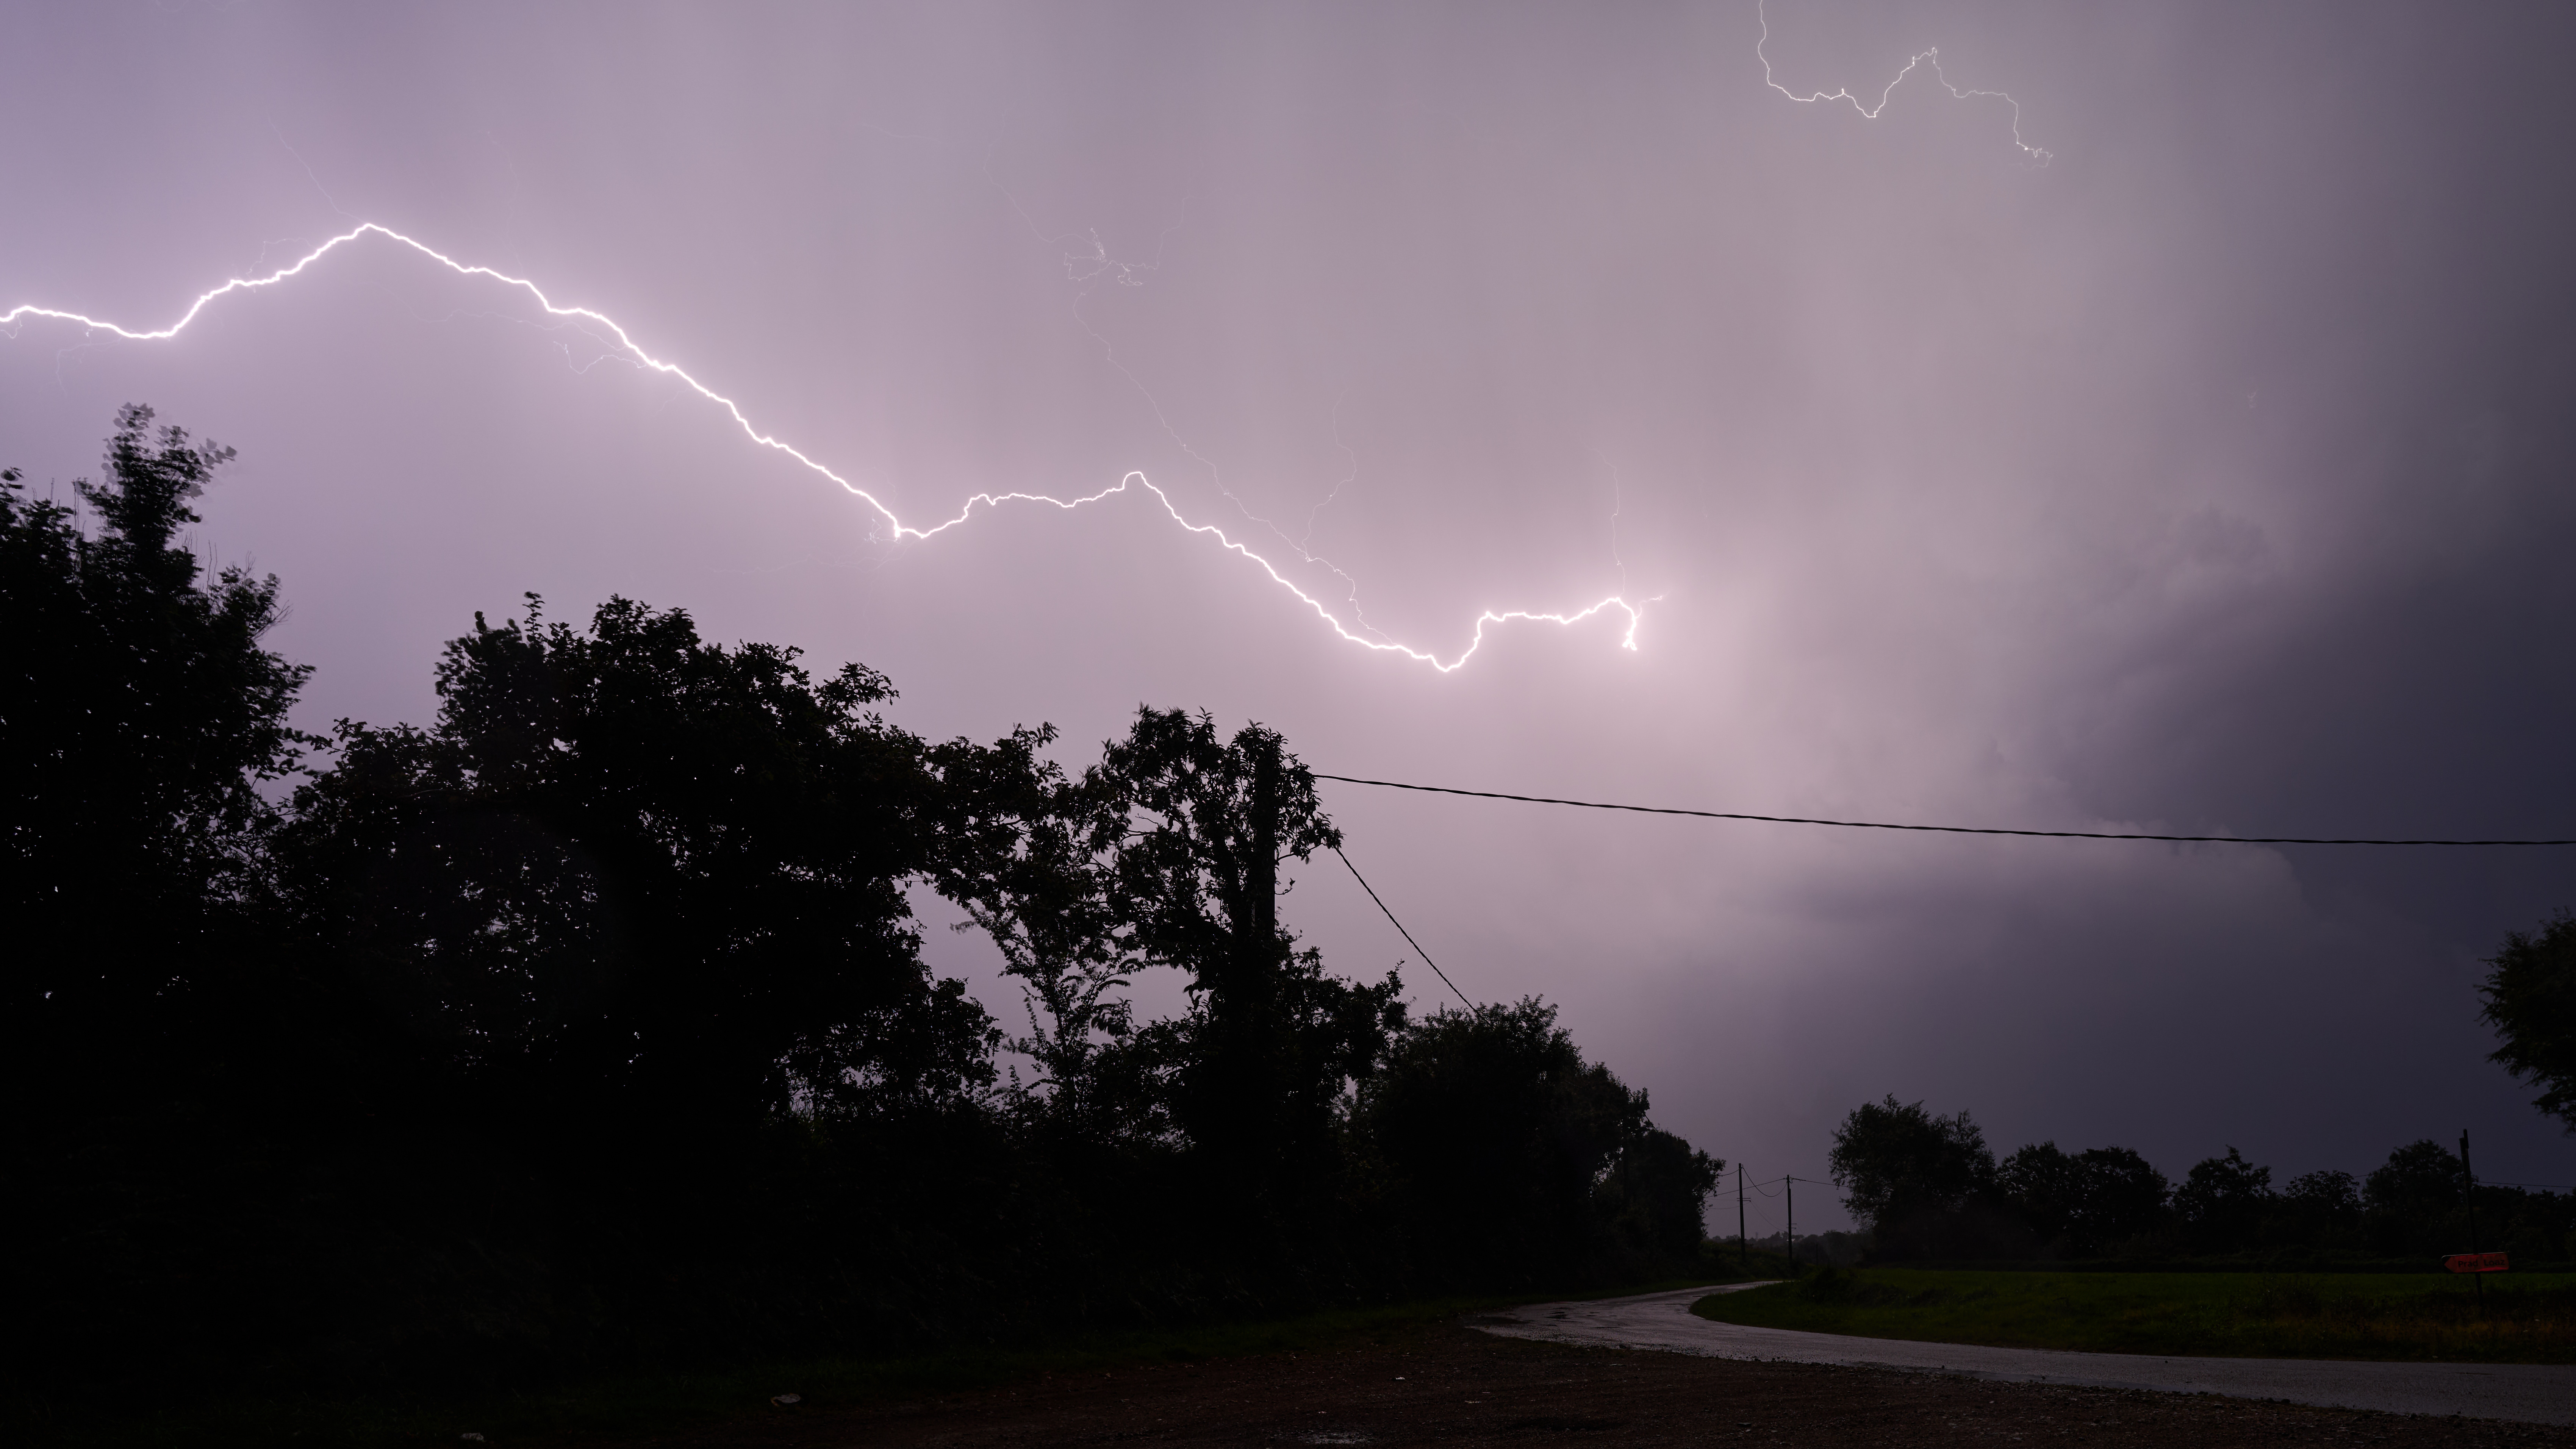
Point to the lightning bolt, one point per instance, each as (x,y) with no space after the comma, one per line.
(1931,57)
(895,528)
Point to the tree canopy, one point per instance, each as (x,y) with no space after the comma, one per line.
(2531,1002)
(1910,1173)
(140,721)
(1928,1194)
(588,1023)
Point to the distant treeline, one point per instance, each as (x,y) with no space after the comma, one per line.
(588,1025)
(1927,1187)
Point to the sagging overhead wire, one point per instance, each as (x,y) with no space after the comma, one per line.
(1936,829)
(1399,930)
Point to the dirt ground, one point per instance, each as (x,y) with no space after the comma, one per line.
(1454,1386)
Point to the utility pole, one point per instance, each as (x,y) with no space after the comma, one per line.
(1241,1082)
(1262,870)
(1743,1245)
(2469,1195)
(1790,1191)
(1256,964)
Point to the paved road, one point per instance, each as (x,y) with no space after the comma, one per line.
(2534,1393)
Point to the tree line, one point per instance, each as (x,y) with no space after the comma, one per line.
(1926,1187)
(1923,1186)
(588,1024)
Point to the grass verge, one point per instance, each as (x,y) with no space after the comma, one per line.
(2530,1319)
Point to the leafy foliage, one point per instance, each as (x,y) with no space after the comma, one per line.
(138,721)
(2085,1204)
(1027,861)
(2531,1003)
(2109,1202)
(1270,1050)
(627,863)
(1914,1176)
(1495,1142)
(588,1023)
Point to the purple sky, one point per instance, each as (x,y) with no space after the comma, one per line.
(2213,478)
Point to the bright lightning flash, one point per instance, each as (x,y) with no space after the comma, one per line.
(1932,57)
(898,529)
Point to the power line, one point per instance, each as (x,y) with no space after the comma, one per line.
(1399,930)
(1937,829)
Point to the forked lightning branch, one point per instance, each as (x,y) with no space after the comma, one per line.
(893,527)
(890,526)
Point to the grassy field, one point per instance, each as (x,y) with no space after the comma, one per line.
(2526,1318)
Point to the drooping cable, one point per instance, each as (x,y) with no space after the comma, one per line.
(1937,829)
(1399,930)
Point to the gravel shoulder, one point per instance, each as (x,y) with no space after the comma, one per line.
(2532,1393)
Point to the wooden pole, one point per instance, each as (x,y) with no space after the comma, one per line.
(1743,1245)
(2469,1195)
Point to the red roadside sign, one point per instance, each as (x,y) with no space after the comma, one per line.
(2475,1263)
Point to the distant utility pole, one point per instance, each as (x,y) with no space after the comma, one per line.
(1743,1245)
(2469,1195)
(1792,1192)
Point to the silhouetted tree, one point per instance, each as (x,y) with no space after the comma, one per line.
(587,1024)
(149,1036)
(2085,1204)
(2222,1203)
(1272,1045)
(1499,1155)
(2319,1210)
(139,717)
(1030,854)
(643,873)
(1654,1198)
(1912,1176)
(2415,1205)
(2125,1200)
(2531,1003)
(2044,1183)
(2109,1201)
(2414,1201)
